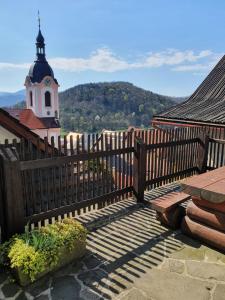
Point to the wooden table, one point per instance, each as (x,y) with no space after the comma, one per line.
(208,186)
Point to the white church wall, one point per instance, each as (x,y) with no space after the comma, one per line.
(5,134)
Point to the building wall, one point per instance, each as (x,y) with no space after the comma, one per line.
(5,134)
(38,91)
(55,132)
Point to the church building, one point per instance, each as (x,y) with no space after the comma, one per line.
(41,115)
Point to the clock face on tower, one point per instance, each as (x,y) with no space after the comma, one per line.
(47,81)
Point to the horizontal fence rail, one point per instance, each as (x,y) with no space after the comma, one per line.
(65,177)
(57,183)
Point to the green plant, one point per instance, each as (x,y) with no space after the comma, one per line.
(36,250)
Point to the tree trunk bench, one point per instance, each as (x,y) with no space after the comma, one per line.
(169,209)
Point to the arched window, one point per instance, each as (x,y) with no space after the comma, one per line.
(47,99)
(31,98)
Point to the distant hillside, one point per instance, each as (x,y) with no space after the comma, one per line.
(180,99)
(10,99)
(111,105)
(115,105)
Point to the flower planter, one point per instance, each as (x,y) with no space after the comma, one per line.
(66,256)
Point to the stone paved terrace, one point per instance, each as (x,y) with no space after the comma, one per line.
(131,256)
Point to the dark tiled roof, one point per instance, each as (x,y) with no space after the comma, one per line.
(206,104)
(40,69)
(40,39)
(50,122)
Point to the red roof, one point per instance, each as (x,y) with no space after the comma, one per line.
(13,125)
(14,112)
(28,118)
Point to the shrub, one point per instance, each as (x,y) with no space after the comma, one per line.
(38,249)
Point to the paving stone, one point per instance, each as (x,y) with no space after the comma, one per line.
(72,268)
(189,242)
(77,266)
(100,282)
(189,253)
(117,282)
(92,277)
(65,288)
(91,261)
(206,270)
(10,289)
(219,293)
(3,276)
(38,287)
(212,255)
(87,294)
(111,266)
(163,285)
(21,296)
(42,297)
(130,271)
(173,265)
(135,294)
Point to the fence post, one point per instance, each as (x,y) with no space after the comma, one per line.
(2,208)
(12,194)
(139,179)
(205,152)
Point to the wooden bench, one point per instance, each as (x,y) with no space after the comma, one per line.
(168,201)
(169,211)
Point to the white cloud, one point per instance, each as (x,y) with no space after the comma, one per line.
(4,65)
(187,68)
(104,60)
(199,68)
(173,57)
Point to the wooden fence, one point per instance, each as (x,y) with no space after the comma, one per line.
(93,172)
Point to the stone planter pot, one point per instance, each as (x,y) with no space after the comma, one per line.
(65,258)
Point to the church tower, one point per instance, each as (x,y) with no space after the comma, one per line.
(42,91)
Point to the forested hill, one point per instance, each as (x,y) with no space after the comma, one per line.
(114,105)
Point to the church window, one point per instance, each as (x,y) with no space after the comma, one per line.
(47,99)
(31,98)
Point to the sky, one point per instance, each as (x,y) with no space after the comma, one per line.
(166,46)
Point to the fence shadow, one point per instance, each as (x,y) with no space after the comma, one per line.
(124,250)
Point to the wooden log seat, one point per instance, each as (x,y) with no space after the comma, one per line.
(220,207)
(171,218)
(206,216)
(204,233)
(167,207)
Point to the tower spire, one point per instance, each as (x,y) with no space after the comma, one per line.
(39,20)
(40,42)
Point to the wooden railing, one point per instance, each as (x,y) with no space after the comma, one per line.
(90,177)
(215,144)
(216,153)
